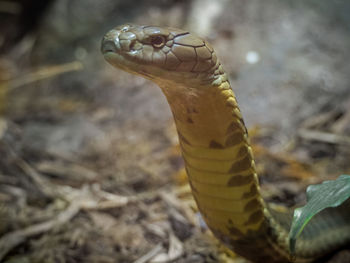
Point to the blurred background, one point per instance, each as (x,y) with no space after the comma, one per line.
(90,169)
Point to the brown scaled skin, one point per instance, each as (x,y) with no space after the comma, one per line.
(214,142)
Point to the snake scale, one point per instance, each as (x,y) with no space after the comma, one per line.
(215,146)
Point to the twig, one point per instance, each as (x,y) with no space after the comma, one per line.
(152,253)
(44,73)
(43,185)
(13,239)
(89,197)
(174,203)
(174,252)
(79,199)
(324,137)
(176,249)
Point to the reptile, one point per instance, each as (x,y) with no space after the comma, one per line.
(215,146)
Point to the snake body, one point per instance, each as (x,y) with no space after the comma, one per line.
(215,147)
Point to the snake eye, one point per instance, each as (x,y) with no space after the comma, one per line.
(158,41)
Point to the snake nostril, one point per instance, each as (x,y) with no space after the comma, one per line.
(108,46)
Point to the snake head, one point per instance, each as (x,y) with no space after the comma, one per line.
(162,54)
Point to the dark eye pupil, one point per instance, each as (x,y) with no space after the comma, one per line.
(157,40)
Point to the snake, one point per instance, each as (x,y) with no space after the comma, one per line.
(215,146)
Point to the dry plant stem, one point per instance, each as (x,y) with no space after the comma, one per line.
(324,137)
(175,248)
(173,202)
(89,197)
(152,253)
(79,199)
(44,73)
(42,184)
(13,239)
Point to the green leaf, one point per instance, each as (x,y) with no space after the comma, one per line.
(328,194)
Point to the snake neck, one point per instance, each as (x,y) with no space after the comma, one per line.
(221,170)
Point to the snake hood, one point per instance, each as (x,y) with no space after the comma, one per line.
(162,54)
